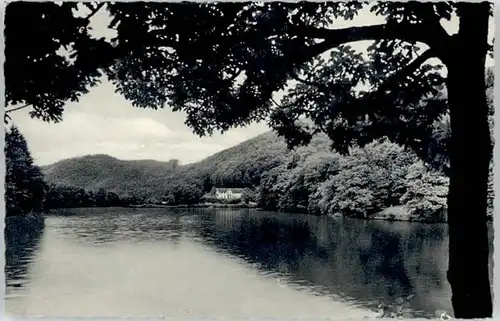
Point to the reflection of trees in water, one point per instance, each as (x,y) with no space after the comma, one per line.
(365,260)
(107,226)
(22,238)
(259,238)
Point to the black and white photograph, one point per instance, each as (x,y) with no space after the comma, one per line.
(249,160)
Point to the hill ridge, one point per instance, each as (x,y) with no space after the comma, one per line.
(151,178)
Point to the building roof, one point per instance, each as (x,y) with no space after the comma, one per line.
(233,190)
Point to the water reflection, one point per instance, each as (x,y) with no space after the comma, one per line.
(22,240)
(354,261)
(120,225)
(362,261)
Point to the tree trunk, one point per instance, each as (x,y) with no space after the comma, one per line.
(470,153)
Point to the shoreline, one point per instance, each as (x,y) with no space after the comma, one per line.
(391,214)
(194,206)
(400,214)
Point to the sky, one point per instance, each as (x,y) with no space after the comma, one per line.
(104,122)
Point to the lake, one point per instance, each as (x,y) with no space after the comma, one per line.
(119,262)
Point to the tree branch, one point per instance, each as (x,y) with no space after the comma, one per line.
(320,86)
(433,37)
(16,108)
(391,80)
(373,95)
(407,70)
(274,101)
(95,10)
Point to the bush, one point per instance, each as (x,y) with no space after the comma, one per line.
(426,193)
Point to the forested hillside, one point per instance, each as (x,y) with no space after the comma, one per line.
(239,166)
(308,179)
(94,172)
(312,178)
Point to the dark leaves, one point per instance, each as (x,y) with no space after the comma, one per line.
(221,63)
(24,183)
(413,11)
(36,72)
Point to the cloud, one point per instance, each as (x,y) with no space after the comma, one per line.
(104,122)
(119,128)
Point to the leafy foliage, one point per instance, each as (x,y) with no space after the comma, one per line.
(59,196)
(289,185)
(308,179)
(24,183)
(426,192)
(33,52)
(369,180)
(186,193)
(224,68)
(223,71)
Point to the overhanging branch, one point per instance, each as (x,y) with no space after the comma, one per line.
(407,70)
(369,99)
(16,108)
(320,86)
(433,37)
(274,102)
(394,79)
(95,10)
(390,81)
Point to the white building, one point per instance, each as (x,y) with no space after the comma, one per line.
(228,193)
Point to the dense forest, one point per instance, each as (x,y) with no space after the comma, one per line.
(24,182)
(96,172)
(312,179)
(380,180)
(27,191)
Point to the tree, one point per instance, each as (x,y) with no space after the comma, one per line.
(366,182)
(184,193)
(36,55)
(371,178)
(426,192)
(271,188)
(288,186)
(224,69)
(25,187)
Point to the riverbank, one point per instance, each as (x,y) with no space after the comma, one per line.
(394,213)
(401,214)
(205,205)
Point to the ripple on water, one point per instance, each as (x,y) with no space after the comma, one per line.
(155,256)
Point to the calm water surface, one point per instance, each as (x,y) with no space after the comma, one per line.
(224,263)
